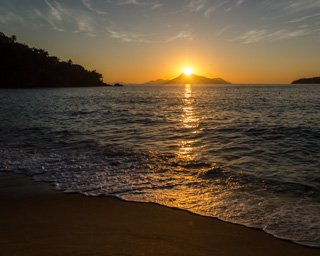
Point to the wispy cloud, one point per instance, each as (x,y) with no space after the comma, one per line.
(282,34)
(53,15)
(258,35)
(89,5)
(187,35)
(233,4)
(252,36)
(84,26)
(303,18)
(11,17)
(225,5)
(197,5)
(85,20)
(135,2)
(152,4)
(239,2)
(285,20)
(208,7)
(156,5)
(222,31)
(294,10)
(301,6)
(127,37)
(56,10)
(213,8)
(61,18)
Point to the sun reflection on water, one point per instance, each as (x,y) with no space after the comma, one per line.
(189,119)
(190,122)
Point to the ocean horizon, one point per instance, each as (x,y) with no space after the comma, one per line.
(245,154)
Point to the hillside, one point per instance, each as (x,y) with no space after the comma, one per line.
(25,67)
(158,81)
(195,79)
(314,80)
(191,79)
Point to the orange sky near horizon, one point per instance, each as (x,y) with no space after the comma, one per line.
(135,41)
(243,67)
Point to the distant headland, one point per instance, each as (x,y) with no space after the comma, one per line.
(314,80)
(25,67)
(190,79)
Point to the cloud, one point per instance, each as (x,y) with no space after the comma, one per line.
(287,20)
(54,15)
(252,36)
(153,4)
(293,7)
(225,5)
(61,18)
(135,2)
(84,26)
(197,5)
(55,11)
(239,2)
(222,31)
(233,4)
(88,4)
(156,5)
(210,10)
(11,17)
(282,34)
(294,10)
(258,35)
(181,35)
(299,19)
(127,37)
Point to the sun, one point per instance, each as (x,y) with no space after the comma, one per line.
(188,71)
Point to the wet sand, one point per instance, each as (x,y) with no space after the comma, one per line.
(35,220)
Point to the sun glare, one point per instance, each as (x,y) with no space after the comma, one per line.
(188,71)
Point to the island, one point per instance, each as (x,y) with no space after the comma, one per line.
(25,67)
(190,79)
(158,81)
(314,80)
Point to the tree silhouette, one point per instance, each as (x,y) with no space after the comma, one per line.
(24,67)
(13,38)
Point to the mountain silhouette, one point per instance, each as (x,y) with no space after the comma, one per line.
(314,80)
(158,81)
(191,79)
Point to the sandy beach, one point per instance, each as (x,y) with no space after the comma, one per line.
(36,220)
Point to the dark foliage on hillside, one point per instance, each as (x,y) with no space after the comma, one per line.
(314,80)
(24,67)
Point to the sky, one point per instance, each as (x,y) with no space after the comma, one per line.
(134,41)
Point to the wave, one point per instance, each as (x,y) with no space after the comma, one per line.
(283,209)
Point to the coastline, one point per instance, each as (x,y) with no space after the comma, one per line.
(36,220)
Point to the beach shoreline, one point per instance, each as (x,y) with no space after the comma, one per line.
(36,220)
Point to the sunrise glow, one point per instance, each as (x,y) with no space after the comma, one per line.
(137,41)
(188,71)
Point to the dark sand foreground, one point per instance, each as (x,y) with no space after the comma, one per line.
(35,220)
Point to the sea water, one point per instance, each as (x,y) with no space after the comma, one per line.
(246,154)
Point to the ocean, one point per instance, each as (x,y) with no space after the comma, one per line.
(246,154)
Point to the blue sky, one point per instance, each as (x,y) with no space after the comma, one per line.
(244,41)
